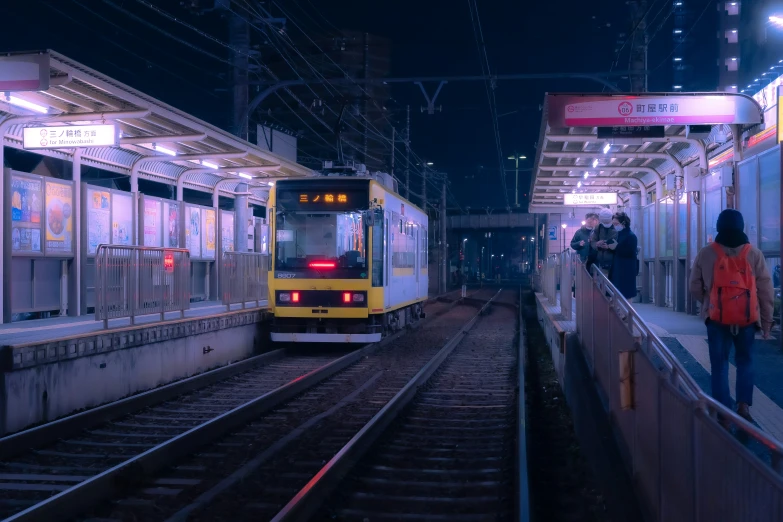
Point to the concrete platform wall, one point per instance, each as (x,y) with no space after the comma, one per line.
(589,413)
(45,381)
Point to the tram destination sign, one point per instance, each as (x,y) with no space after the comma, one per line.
(70,136)
(597,198)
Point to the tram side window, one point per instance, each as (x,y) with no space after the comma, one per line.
(377,249)
(423,248)
(769,203)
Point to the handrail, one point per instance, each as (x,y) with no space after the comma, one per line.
(244,278)
(678,372)
(133,280)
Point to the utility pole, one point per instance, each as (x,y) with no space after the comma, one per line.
(393,142)
(639,44)
(408,157)
(424,187)
(365,96)
(240,43)
(444,251)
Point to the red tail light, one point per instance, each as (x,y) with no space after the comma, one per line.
(322,264)
(295,297)
(346,297)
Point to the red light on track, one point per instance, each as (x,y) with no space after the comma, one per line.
(295,297)
(322,264)
(346,297)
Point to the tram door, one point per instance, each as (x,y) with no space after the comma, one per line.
(387,269)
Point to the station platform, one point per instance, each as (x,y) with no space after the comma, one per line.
(686,337)
(53,367)
(43,330)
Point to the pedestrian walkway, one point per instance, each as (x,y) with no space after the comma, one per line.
(40,330)
(686,336)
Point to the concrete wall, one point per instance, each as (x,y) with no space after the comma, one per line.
(42,382)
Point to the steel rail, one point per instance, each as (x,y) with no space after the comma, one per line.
(523,491)
(310,498)
(77,499)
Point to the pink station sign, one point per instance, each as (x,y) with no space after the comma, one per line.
(650,110)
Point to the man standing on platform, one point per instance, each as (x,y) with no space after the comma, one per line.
(581,240)
(731,279)
(601,241)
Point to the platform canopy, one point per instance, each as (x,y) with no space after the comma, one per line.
(155,141)
(592,146)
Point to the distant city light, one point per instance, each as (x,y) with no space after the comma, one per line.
(678,86)
(777,20)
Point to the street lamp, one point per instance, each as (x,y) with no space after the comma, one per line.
(564,229)
(516,159)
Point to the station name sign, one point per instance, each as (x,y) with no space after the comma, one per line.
(652,110)
(597,198)
(70,136)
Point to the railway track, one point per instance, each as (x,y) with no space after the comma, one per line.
(77,461)
(442,449)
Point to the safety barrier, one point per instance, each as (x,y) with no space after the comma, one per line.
(131,281)
(244,278)
(685,466)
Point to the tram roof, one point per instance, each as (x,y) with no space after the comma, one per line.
(591,143)
(75,89)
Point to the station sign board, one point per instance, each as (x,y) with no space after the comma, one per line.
(24,72)
(70,136)
(594,198)
(621,131)
(566,110)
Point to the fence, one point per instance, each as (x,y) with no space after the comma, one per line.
(134,280)
(685,466)
(244,278)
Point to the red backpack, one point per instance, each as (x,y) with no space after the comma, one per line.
(733,299)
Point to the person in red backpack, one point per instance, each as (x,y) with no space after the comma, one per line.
(731,279)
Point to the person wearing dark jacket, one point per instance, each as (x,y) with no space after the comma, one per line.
(581,240)
(601,240)
(624,269)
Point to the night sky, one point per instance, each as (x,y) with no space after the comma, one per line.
(133,43)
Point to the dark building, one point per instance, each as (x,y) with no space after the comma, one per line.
(760,43)
(315,111)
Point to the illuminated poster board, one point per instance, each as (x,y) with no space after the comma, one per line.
(26,214)
(251,234)
(122,219)
(193,231)
(171,223)
(98,218)
(227,231)
(209,235)
(152,222)
(59,218)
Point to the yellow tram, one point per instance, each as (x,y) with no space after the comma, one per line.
(349,258)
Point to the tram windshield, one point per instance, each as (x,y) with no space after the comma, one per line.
(331,243)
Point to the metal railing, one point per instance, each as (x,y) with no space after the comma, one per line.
(685,466)
(244,278)
(131,281)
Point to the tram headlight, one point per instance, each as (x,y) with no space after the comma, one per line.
(358,298)
(284,297)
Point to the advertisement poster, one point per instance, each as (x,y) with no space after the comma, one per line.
(152,220)
(251,234)
(193,231)
(122,219)
(98,219)
(171,224)
(227,231)
(59,218)
(26,205)
(209,234)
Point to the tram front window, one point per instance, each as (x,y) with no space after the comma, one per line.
(330,243)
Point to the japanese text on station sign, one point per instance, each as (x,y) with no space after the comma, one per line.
(68,136)
(598,198)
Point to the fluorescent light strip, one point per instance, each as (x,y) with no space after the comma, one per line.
(607,147)
(13,100)
(595,162)
(209,165)
(243,175)
(164,150)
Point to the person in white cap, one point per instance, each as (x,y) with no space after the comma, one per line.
(602,241)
